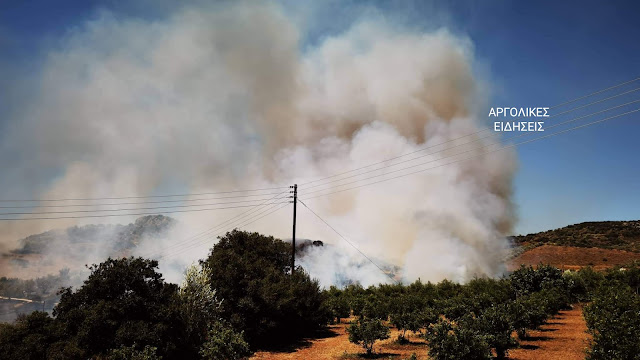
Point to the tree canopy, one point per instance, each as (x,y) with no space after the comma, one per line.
(251,272)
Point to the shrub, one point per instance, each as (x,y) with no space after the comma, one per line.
(199,306)
(132,353)
(29,337)
(613,319)
(449,341)
(337,303)
(526,313)
(224,343)
(497,325)
(366,332)
(527,280)
(406,314)
(375,306)
(454,308)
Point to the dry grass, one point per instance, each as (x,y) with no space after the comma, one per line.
(573,258)
(563,338)
(339,347)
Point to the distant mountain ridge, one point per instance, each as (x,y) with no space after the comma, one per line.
(619,235)
(120,237)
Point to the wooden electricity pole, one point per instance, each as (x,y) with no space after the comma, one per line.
(293,239)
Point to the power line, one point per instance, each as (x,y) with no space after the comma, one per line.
(487,129)
(139,202)
(261,189)
(348,242)
(116,210)
(458,145)
(131,214)
(449,156)
(597,92)
(470,157)
(233,219)
(147,197)
(253,219)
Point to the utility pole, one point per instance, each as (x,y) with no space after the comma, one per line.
(293,239)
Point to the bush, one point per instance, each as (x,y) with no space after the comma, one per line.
(224,343)
(526,314)
(366,332)
(132,353)
(337,303)
(454,308)
(199,306)
(497,325)
(29,337)
(449,341)
(407,314)
(613,319)
(375,306)
(251,272)
(527,280)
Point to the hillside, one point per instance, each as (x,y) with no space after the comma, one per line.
(600,245)
(48,252)
(618,235)
(42,263)
(119,237)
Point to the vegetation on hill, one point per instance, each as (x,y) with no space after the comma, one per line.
(621,235)
(37,289)
(119,237)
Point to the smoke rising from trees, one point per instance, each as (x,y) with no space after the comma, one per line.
(229,96)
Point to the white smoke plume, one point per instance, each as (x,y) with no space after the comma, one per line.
(227,96)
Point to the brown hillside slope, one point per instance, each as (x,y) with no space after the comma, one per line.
(573,258)
(620,235)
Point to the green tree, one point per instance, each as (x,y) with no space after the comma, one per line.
(526,314)
(133,353)
(29,337)
(337,303)
(496,323)
(459,341)
(613,320)
(527,280)
(124,302)
(366,332)
(407,314)
(199,306)
(375,306)
(224,343)
(251,273)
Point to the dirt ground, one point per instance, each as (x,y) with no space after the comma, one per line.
(573,258)
(563,337)
(335,345)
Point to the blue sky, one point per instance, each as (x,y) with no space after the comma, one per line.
(533,53)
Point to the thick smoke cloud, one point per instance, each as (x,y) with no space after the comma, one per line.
(228,96)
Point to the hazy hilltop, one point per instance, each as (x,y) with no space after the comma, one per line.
(45,262)
(618,235)
(118,237)
(48,252)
